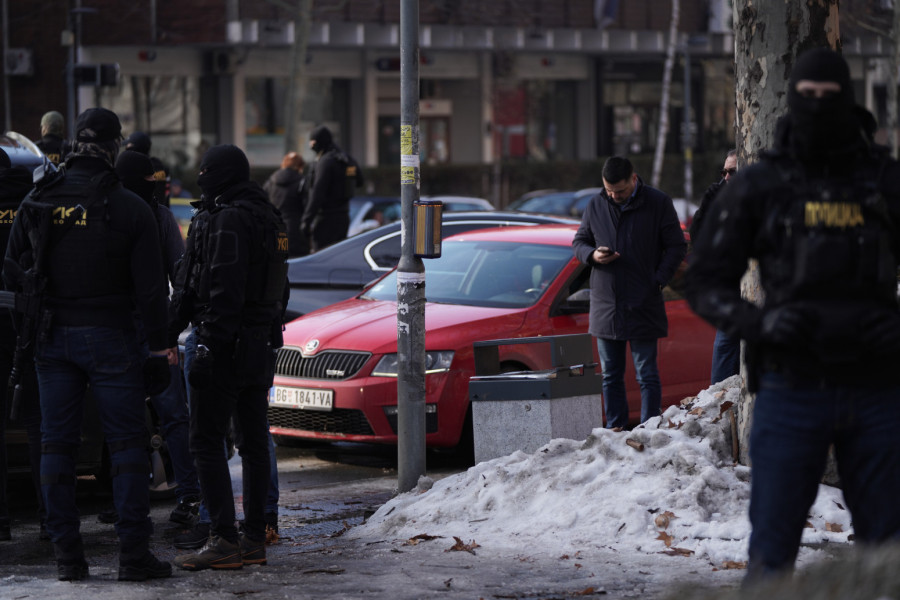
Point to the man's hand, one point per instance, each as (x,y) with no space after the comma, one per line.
(604,255)
(201,374)
(156,374)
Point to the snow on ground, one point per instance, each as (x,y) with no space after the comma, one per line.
(681,494)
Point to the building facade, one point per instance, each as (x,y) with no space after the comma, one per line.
(517,80)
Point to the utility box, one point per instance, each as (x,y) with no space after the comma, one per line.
(525,410)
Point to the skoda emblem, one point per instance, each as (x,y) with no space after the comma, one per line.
(311,346)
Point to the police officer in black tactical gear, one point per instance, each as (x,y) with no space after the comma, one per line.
(15,183)
(336,174)
(820,213)
(82,254)
(52,143)
(234,274)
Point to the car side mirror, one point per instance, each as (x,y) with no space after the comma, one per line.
(577,303)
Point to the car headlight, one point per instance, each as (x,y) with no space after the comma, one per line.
(435,362)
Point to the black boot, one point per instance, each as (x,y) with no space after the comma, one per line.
(137,563)
(70,563)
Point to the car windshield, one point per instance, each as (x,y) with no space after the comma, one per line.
(495,274)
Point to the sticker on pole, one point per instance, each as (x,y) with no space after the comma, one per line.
(409,160)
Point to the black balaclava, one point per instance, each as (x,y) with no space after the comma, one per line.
(97,134)
(321,136)
(133,169)
(139,142)
(222,167)
(822,126)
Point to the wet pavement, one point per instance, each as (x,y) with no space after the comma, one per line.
(324,493)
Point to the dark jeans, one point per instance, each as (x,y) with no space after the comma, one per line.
(793,427)
(175,423)
(612,362)
(212,409)
(272,495)
(726,358)
(111,361)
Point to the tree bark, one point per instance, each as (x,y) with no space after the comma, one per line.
(297,82)
(768,37)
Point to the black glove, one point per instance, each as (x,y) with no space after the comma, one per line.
(881,331)
(201,373)
(156,374)
(786,325)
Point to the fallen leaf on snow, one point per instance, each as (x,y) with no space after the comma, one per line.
(734,564)
(678,552)
(834,527)
(666,538)
(422,537)
(462,546)
(697,411)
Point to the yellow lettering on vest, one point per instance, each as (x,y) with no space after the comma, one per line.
(833,215)
(159,175)
(351,171)
(282,243)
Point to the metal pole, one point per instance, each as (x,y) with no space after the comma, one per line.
(7,120)
(411,271)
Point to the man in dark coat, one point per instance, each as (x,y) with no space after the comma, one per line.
(631,237)
(288,190)
(726,358)
(336,174)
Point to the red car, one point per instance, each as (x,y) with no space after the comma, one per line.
(336,376)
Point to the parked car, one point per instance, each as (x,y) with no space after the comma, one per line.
(343,269)
(461,203)
(21,150)
(571,203)
(336,374)
(369,212)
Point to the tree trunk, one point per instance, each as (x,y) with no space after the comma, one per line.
(768,37)
(297,83)
(663,130)
(894,64)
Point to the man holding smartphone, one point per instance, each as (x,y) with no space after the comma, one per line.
(631,237)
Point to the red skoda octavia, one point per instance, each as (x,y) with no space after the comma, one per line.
(336,376)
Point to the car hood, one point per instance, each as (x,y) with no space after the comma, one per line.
(371,326)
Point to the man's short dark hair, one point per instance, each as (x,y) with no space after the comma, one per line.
(616,169)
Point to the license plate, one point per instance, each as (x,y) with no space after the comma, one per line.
(302,398)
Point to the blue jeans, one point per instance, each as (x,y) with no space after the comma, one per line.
(175,425)
(613,362)
(726,358)
(111,362)
(793,427)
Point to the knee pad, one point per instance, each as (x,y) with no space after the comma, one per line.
(128,456)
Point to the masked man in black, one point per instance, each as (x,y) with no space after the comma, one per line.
(326,217)
(820,212)
(83,252)
(234,275)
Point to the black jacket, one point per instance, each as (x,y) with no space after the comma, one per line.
(233,271)
(626,294)
(15,183)
(827,243)
(287,190)
(104,253)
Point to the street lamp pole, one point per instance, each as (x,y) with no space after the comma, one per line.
(411,270)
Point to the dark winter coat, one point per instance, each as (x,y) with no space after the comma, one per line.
(626,294)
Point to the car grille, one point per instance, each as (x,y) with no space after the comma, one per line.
(331,364)
(340,420)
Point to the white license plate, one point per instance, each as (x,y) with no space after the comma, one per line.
(302,398)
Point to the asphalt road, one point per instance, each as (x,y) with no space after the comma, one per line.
(325,491)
